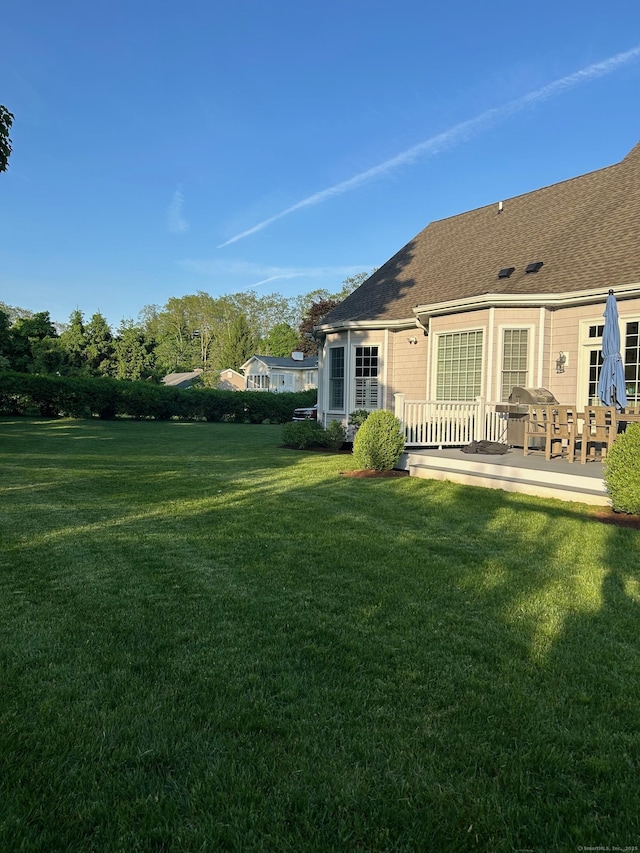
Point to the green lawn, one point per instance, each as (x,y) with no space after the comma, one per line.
(208,642)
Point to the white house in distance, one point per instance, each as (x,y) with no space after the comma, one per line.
(276,374)
(508,295)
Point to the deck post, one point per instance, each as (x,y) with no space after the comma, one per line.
(479,421)
(398,405)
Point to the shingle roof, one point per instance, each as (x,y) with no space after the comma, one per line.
(181,380)
(276,361)
(585,230)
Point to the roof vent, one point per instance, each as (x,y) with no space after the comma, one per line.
(534,267)
(505,272)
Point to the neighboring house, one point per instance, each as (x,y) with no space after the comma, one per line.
(183,380)
(231,380)
(272,373)
(511,294)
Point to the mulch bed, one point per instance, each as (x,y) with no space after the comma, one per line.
(344,450)
(368,474)
(618,519)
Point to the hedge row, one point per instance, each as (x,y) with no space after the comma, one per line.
(61,396)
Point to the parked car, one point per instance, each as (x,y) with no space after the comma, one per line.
(306,413)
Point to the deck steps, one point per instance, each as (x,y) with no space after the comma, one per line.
(531,475)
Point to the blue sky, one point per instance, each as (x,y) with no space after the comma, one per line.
(170,147)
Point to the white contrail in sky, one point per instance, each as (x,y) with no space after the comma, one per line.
(176,222)
(456,134)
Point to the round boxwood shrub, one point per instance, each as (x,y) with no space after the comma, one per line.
(379,442)
(622,471)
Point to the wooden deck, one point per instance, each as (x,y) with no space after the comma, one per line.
(512,472)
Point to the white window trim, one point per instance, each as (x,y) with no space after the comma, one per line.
(508,327)
(436,345)
(352,377)
(345,378)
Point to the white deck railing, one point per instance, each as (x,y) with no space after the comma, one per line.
(431,423)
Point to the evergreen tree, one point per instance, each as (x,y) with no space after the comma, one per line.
(100,351)
(134,355)
(240,343)
(74,342)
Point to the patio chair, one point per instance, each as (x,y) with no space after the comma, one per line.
(598,433)
(537,434)
(562,428)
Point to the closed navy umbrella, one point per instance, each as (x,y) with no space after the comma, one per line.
(611,385)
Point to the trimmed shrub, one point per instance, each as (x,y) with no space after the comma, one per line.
(358,417)
(379,442)
(303,434)
(81,396)
(335,436)
(622,471)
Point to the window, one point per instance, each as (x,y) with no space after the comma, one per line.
(630,352)
(515,348)
(459,371)
(282,382)
(632,361)
(336,378)
(257,382)
(366,378)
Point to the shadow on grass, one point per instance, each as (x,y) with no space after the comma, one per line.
(200,620)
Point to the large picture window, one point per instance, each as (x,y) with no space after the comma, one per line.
(366,378)
(336,378)
(515,349)
(459,371)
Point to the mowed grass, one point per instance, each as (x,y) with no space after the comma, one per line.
(209,642)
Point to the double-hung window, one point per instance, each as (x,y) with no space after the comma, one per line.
(366,377)
(336,378)
(459,371)
(515,349)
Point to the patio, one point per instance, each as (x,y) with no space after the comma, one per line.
(512,472)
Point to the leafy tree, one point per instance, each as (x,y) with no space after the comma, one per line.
(281,340)
(183,331)
(25,333)
(316,313)
(6,120)
(352,283)
(48,356)
(5,336)
(264,312)
(315,306)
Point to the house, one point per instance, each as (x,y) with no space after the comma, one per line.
(183,380)
(230,380)
(509,295)
(273,373)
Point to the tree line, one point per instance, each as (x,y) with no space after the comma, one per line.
(189,332)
